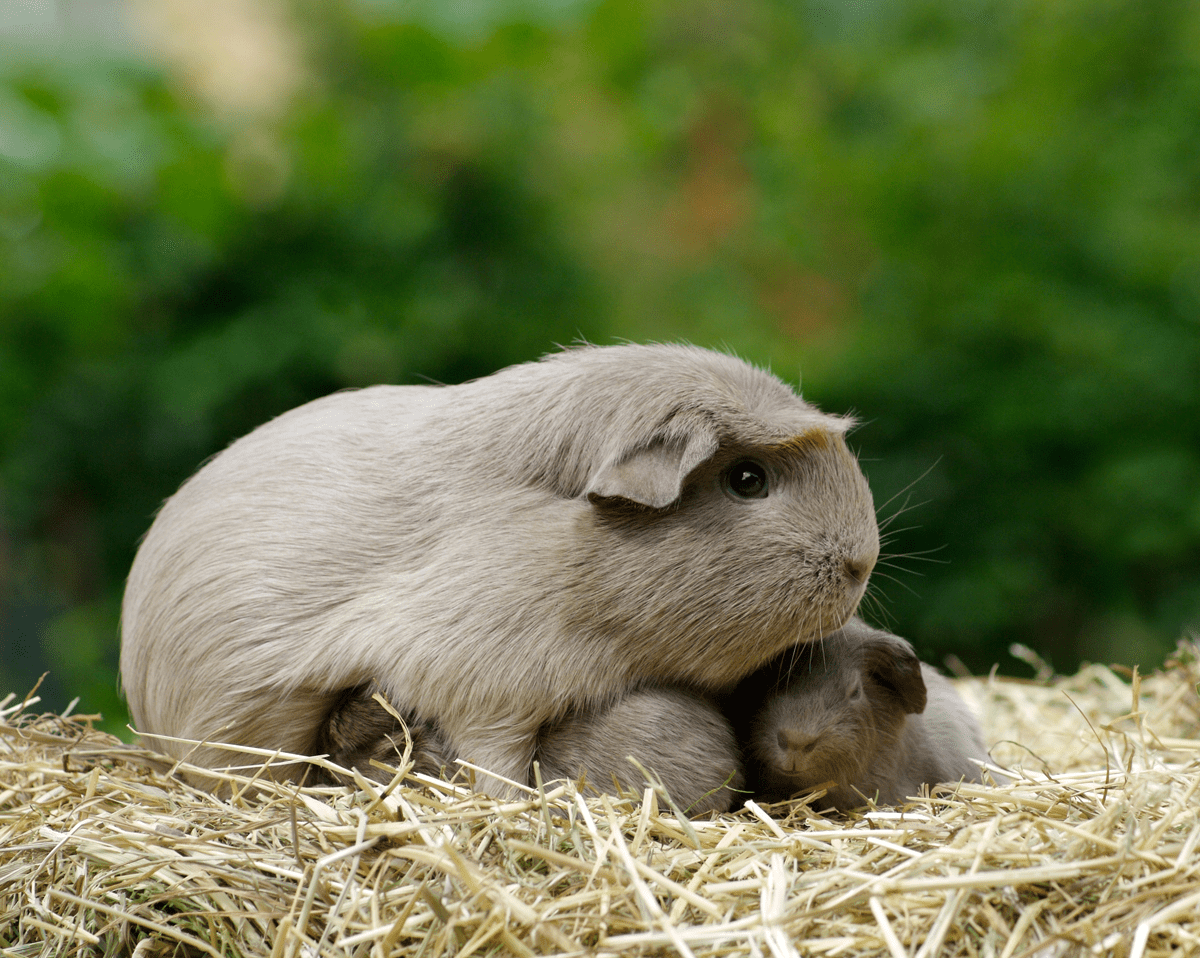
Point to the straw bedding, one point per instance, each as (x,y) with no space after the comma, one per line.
(1093,848)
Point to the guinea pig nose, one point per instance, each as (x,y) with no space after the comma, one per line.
(857,570)
(792,741)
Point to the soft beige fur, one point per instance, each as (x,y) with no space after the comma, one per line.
(494,554)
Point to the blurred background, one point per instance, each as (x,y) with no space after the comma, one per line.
(974,224)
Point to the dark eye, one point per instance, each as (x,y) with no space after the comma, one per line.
(746,479)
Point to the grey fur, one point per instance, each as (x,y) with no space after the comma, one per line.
(670,729)
(494,554)
(860,710)
(679,736)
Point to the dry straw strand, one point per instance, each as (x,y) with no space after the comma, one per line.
(1091,846)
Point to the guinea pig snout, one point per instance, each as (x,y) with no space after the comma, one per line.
(795,745)
(857,568)
(791,740)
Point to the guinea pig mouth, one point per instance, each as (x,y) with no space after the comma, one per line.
(827,758)
(829,761)
(813,775)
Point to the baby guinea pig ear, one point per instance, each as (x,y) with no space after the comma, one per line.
(652,475)
(891,663)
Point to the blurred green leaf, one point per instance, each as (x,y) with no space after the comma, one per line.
(975,224)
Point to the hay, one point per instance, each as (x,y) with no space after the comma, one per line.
(1092,849)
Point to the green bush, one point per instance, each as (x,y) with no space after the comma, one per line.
(976,225)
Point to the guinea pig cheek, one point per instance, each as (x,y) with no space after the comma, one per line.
(832,513)
(827,572)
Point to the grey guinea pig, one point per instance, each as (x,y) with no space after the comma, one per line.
(679,736)
(495,554)
(681,733)
(858,709)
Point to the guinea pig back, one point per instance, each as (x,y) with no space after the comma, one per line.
(496,553)
(679,737)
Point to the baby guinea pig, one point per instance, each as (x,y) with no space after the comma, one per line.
(678,735)
(858,709)
(682,734)
(359,729)
(495,554)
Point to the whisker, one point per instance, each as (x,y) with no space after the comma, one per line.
(919,552)
(884,505)
(882,594)
(889,561)
(903,585)
(895,532)
(879,610)
(908,506)
(790,659)
(874,611)
(884,575)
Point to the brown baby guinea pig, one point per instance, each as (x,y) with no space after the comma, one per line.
(857,709)
(358,730)
(495,554)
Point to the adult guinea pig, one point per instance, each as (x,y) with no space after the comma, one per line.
(860,710)
(495,554)
(681,737)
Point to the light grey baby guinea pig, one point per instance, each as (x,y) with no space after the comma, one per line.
(672,730)
(679,736)
(860,710)
(495,554)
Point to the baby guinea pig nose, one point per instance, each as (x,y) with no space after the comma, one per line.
(791,740)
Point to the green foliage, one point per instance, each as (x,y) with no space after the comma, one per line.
(1034,313)
(976,224)
(163,292)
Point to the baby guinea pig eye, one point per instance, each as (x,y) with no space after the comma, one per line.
(854,691)
(746,479)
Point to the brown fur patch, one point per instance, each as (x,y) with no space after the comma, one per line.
(811,440)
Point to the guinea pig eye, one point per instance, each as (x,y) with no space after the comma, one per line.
(746,479)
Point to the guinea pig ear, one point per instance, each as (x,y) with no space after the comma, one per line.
(891,662)
(652,475)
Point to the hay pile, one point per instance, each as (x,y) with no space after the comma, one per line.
(1094,849)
